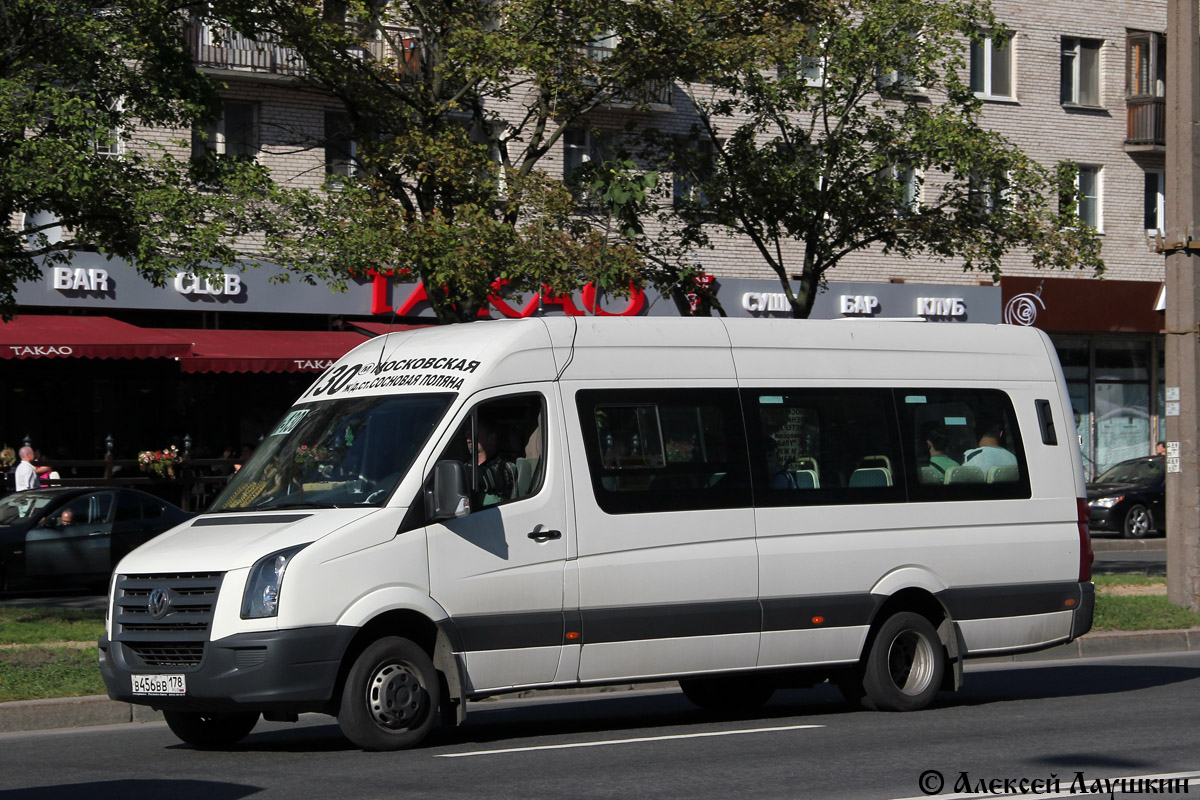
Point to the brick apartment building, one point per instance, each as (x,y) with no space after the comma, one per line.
(1074,83)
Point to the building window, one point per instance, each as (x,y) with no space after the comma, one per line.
(903,77)
(685,186)
(1087,195)
(233,134)
(986,195)
(992,67)
(1155,202)
(909,178)
(1080,74)
(341,151)
(109,141)
(1145,65)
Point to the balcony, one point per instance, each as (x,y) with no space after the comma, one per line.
(222,48)
(1146,123)
(656,94)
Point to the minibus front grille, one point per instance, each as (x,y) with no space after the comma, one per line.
(164,620)
(186,654)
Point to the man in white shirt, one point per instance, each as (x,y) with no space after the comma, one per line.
(990,452)
(27,476)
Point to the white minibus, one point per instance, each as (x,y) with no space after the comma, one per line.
(738,505)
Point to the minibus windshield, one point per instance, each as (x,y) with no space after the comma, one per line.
(335,453)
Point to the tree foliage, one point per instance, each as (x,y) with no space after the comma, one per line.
(457,107)
(813,145)
(459,110)
(77,81)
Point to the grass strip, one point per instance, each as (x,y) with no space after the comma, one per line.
(39,625)
(1125,579)
(35,673)
(1151,612)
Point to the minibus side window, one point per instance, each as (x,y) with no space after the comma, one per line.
(823,446)
(502,442)
(653,450)
(962,444)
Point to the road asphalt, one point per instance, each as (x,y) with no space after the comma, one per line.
(78,712)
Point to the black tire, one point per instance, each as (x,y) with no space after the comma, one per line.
(727,694)
(211,730)
(391,696)
(1139,522)
(905,666)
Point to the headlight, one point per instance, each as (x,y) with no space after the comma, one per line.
(1107,502)
(261,598)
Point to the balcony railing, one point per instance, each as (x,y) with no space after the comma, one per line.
(223,48)
(1147,120)
(654,93)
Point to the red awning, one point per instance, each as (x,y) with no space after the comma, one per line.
(57,336)
(262,351)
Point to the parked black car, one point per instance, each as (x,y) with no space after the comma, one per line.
(1128,497)
(74,536)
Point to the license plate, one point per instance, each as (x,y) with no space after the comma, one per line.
(159,684)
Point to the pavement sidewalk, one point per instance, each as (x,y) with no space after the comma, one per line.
(80,712)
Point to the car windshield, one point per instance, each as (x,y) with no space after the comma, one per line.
(1141,470)
(335,453)
(21,507)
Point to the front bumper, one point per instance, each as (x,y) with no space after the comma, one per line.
(292,671)
(1103,519)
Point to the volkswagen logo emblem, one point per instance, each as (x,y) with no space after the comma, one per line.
(158,604)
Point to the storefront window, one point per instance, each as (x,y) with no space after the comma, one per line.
(1122,422)
(1122,360)
(1075,357)
(1116,390)
(1081,404)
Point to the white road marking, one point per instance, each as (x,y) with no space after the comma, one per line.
(638,740)
(1065,780)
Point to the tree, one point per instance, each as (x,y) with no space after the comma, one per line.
(813,151)
(78,83)
(454,107)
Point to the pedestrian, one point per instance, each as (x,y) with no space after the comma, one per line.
(27,473)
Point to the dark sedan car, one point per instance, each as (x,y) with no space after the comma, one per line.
(1128,498)
(75,536)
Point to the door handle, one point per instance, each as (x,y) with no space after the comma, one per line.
(544,536)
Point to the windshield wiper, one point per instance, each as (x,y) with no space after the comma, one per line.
(307,504)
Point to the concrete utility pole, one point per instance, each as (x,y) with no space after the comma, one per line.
(1183,302)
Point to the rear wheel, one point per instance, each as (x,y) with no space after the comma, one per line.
(904,669)
(211,730)
(1138,522)
(390,700)
(727,693)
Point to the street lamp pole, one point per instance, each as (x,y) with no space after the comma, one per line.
(1182,249)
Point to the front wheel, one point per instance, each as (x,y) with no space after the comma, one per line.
(1138,522)
(905,666)
(211,730)
(390,699)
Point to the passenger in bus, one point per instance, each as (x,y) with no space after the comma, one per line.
(937,438)
(990,452)
(497,468)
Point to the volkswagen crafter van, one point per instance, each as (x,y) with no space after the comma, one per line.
(738,505)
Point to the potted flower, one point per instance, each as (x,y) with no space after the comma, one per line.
(160,462)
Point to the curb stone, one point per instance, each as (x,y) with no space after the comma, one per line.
(81,712)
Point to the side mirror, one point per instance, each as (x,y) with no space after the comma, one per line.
(447,497)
